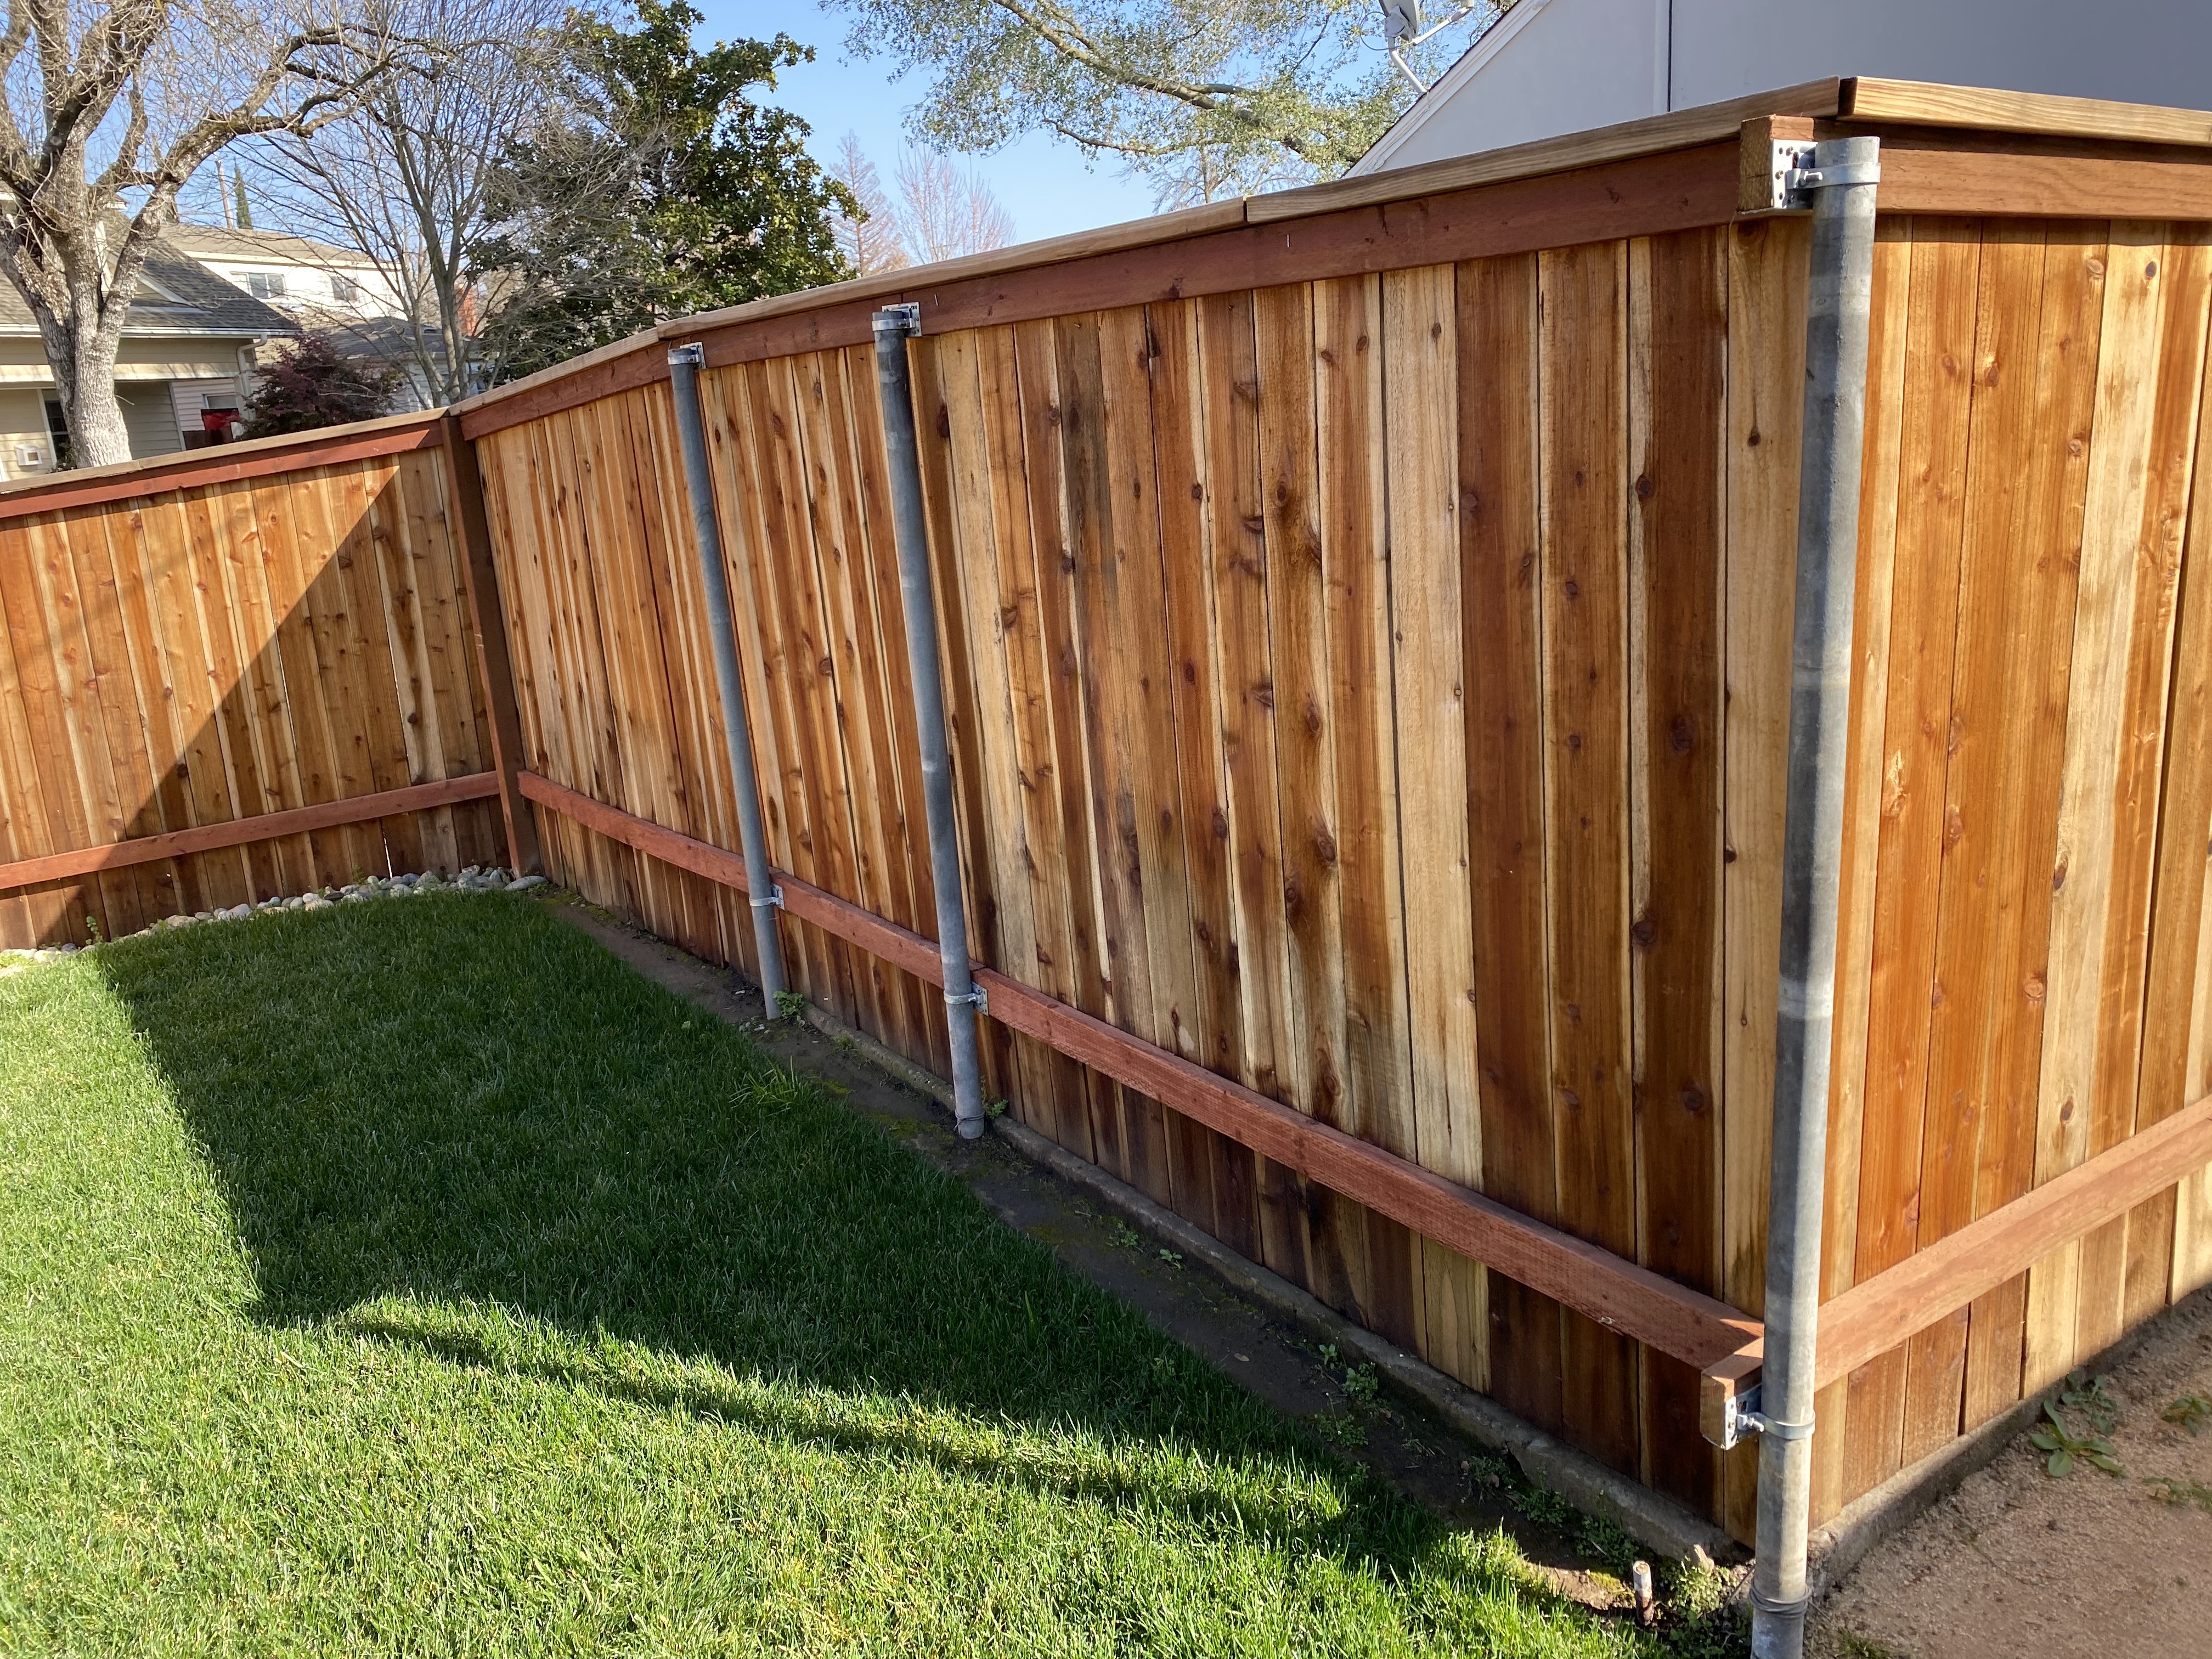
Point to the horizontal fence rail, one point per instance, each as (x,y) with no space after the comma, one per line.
(238,832)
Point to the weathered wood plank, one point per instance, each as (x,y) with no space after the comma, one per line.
(1355,547)
(1995,841)
(1209,1183)
(1877,560)
(1501,605)
(2177,1062)
(1583,329)
(1938,358)
(2074,1033)
(1677,450)
(2039,541)
(1305,763)
(1420,357)
(990,536)
(1245,694)
(1766,367)
(1089,1113)
(2125,1280)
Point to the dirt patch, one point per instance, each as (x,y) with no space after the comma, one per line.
(2018,1563)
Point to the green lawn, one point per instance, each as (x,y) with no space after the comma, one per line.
(413,1278)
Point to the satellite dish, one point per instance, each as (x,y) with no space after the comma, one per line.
(1401,20)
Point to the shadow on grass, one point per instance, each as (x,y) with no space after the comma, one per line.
(461,1099)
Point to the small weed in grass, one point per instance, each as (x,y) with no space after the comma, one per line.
(790,1005)
(2093,1398)
(1341,1429)
(415,1278)
(2181,1493)
(2063,1448)
(1853,1646)
(2191,1412)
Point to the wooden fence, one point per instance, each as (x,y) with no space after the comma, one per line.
(1366,614)
(241,672)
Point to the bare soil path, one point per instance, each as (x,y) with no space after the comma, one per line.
(2020,1564)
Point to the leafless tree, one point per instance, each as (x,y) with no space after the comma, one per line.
(947,210)
(403,177)
(870,241)
(110,107)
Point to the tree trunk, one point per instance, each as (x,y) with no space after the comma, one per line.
(81,348)
(98,436)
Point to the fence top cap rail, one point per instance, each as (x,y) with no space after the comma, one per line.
(1928,103)
(1845,100)
(182,471)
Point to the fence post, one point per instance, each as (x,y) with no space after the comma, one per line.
(465,518)
(764,896)
(1839,300)
(894,324)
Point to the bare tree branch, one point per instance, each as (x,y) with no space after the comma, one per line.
(231,76)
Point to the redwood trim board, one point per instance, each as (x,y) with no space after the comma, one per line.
(239,832)
(1872,1318)
(1928,103)
(1639,196)
(224,464)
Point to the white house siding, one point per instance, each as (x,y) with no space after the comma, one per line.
(190,397)
(23,427)
(150,416)
(1553,67)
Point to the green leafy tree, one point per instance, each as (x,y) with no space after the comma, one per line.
(313,385)
(656,188)
(1206,98)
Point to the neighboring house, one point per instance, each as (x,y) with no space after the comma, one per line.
(1552,67)
(184,362)
(332,290)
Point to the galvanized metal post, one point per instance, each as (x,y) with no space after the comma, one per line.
(894,324)
(764,896)
(1841,182)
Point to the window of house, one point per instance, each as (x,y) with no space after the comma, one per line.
(344,289)
(265,284)
(57,430)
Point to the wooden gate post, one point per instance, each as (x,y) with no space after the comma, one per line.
(464,516)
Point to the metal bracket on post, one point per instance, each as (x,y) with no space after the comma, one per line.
(964,998)
(684,362)
(978,998)
(1793,177)
(1742,1417)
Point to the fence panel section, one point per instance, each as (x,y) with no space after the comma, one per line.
(1371,689)
(197,653)
(2025,951)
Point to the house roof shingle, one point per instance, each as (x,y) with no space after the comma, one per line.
(204,304)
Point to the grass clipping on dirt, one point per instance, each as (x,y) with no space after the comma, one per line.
(414,1278)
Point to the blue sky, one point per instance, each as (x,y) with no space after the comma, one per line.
(1044,182)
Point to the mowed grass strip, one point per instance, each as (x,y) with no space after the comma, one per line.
(413,1278)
